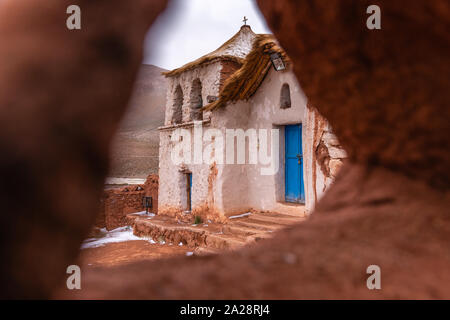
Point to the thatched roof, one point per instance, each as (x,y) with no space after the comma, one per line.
(226,52)
(245,81)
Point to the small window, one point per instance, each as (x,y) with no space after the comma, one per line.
(196,100)
(285,97)
(177,105)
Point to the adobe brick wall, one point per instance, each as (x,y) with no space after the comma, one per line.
(151,190)
(115,204)
(228,68)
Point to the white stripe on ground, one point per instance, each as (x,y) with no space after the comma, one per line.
(240,215)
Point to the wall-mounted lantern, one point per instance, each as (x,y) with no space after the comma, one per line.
(277,61)
(147,203)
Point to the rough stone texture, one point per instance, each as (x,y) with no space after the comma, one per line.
(335,165)
(209,76)
(187,235)
(116,204)
(329,155)
(100,220)
(62,94)
(151,186)
(228,68)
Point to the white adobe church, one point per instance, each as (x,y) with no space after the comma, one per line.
(247,83)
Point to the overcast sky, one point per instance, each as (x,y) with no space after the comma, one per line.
(192,28)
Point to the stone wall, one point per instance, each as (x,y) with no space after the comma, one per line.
(209,76)
(325,158)
(172,189)
(151,190)
(115,204)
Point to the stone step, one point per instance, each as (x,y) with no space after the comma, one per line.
(277,218)
(165,225)
(276,214)
(259,236)
(258,225)
(170,233)
(232,228)
(290,209)
(213,238)
(223,241)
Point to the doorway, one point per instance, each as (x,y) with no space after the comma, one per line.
(189,190)
(294,185)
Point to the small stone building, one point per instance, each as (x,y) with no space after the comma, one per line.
(246,87)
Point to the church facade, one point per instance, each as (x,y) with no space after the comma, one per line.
(239,135)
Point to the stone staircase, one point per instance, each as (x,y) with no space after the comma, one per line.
(207,238)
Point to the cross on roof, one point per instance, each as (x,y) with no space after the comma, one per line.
(245,20)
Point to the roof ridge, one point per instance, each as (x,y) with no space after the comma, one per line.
(213,55)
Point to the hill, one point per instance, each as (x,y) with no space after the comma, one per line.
(134,152)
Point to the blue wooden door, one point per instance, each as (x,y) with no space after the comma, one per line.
(295,189)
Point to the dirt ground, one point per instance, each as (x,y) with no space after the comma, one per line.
(115,254)
(324,257)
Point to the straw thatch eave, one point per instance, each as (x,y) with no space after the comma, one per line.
(201,62)
(246,80)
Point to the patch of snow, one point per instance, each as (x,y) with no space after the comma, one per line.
(189,253)
(143,213)
(180,244)
(240,215)
(117,235)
